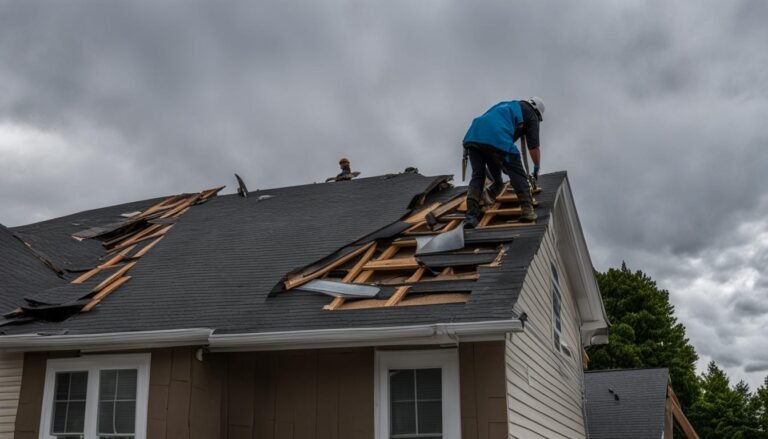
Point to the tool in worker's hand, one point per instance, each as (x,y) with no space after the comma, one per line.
(464,160)
(343,178)
(531,179)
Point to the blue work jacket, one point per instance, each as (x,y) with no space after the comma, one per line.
(497,127)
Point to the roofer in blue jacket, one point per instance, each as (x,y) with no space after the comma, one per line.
(490,144)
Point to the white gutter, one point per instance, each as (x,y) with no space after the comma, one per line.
(105,342)
(440,333)
(350,337)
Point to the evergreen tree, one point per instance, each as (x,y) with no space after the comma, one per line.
(760,407)
(644,331)
(724,413)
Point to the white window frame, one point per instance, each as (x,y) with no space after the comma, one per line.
(93,364)
(445,359)
(556,287)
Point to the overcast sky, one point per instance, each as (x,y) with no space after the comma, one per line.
(656,109)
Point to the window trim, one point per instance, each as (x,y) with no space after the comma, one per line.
(93,364)
(554,276)
(445,359)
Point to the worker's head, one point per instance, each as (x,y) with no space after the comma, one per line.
(537,105)
(344,163)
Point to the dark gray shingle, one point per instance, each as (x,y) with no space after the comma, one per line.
(638,413)
(218,265)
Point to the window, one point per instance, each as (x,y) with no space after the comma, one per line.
(417,394)
(557,299)
(96,397)
(557,304)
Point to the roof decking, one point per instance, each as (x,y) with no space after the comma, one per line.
(219,265)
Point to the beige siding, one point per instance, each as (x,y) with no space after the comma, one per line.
(544,387)
(11,366)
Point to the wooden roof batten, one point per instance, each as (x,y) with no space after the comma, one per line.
(121,240)
(381,262)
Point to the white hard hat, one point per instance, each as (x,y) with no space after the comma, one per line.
(537,105)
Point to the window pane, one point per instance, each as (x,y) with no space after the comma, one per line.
(59,416)
(125,416)
(62,386)
(76,417)
(429,384)
(401,387)
(107,385)
(70,389)
(416,408)
(430,417)
(554,273)
(117,401)
(106,410)
(126,384)
(403,416)
(78,386)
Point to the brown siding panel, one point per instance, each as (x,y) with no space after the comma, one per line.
(185,395)
(483,390)
(303,394)
(31,396)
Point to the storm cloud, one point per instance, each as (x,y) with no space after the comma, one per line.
(655,109)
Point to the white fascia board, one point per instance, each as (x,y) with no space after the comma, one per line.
(440,333)
(105,342)
(594,327)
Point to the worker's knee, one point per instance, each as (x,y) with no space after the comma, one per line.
(474,193)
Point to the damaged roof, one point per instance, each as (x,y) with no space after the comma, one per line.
(224,264)
(22,270)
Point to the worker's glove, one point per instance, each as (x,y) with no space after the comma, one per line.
(536,172)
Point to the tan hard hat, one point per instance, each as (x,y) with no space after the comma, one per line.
(344,160)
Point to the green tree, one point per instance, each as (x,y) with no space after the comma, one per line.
(722,412)
(760,407)
(644,331)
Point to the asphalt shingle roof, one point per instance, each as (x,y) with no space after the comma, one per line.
(218,264)
(638,413)
(21,270)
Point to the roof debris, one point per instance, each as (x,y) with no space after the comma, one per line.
(241,189)
(126,242)
(429,248)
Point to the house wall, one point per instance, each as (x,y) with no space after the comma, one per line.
(545,387)
(317,394)
(483,392)
(31,395)
(184,399)
(300,394)
(11,366)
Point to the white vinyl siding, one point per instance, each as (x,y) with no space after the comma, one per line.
(544,387)
(11,366)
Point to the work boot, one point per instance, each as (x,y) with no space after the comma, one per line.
(526,204)
(472,218)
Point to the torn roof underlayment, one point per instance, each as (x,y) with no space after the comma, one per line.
(254,264)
